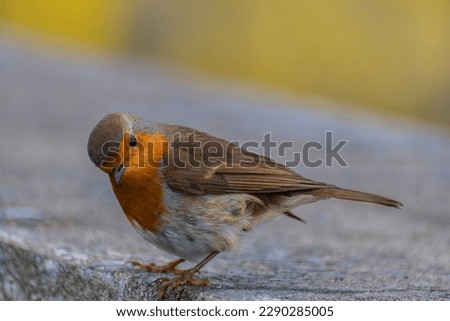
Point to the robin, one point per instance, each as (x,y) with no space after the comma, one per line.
(194,195)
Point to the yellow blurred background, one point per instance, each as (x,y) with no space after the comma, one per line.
(388,55)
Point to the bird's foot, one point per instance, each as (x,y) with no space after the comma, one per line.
(167,268)
(185,279)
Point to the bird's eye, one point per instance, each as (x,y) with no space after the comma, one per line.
(133,141)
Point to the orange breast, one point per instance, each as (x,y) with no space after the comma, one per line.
(140,192)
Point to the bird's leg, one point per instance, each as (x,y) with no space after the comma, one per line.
(187,276)
(168,268)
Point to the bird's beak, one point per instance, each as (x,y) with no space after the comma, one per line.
(117,173)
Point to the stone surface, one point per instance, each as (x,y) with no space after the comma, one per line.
(63,235)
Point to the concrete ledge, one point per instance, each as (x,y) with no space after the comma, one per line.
(64,237)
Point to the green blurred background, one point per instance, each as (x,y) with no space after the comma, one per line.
(387,55)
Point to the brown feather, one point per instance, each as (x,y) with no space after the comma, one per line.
(295,217)
(236,170)
(350,195)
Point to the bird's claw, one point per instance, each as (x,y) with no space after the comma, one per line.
(185,279)
(167,268)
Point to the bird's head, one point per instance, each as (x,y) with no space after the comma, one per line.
(121,142)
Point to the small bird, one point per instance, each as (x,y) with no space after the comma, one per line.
(194,195)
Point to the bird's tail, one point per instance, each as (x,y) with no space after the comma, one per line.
(350,195)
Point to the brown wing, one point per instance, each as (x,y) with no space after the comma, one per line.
(199,163)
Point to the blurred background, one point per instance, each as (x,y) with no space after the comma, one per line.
(237,69)
(388,56)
